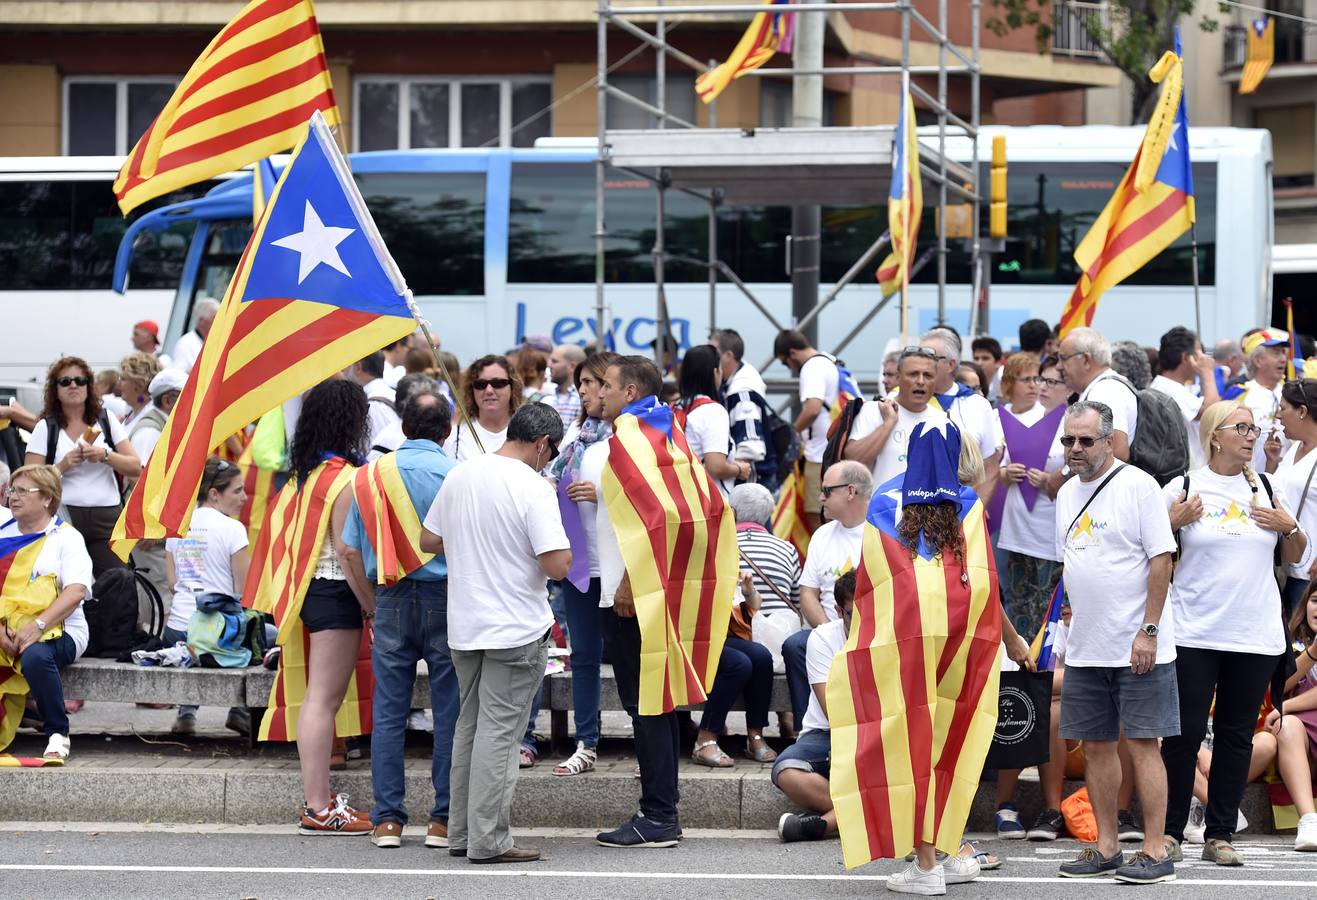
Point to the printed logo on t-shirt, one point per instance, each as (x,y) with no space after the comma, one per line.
(1233,519)
(1086,533)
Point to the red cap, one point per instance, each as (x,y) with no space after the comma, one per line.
(150,328)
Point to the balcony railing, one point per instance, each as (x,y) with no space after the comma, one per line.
(1295,43)
(1070,35)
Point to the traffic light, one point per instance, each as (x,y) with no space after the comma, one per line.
(997,211)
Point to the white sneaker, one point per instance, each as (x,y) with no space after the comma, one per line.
(960,869)
(57,747)
(420,720)
(1197,824)
(914,880)
(1306,839)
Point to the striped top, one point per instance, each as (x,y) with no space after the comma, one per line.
(778,560)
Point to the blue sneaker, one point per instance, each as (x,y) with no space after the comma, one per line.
(641,832)
(1143,869)
(1009,826)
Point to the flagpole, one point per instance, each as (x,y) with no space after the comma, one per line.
(439,362)
(1198,306)
(904,259)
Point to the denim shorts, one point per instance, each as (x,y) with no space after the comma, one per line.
(330,604)
(812,752)
(1096,703)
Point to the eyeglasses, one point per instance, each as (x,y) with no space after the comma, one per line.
(15,491)
(1243,429)
(1062,357)
(827,489)
(1044,382)
(1086,442)
(79,380)
(497,384)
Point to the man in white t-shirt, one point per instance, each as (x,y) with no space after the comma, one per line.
(1114,535)
(188,349)
(818,392)
(497,523)
(801,771)
(833,550)
(1182,359)
(881,432)
(395,355)
(1085,363)
(968,409)
(1267,357)
(382,412)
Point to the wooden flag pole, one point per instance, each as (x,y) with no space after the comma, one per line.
(904,259)
(1198,305)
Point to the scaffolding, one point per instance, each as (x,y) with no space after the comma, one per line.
(783,166)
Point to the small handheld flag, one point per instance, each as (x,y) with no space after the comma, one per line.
(1260,55)
(768,33)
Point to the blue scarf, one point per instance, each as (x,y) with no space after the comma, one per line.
(569,461)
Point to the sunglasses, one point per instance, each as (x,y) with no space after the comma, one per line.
(925,352)
(79,380)
(210,482)
(1243,429)
(1070,440)
(827,489)
(497,384)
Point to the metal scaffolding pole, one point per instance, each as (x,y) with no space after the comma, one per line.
(806,221)
(942,162)
(663,328)
(980,298)
(600,232)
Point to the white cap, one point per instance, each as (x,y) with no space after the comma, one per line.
(167,380)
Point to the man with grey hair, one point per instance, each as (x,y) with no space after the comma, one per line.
(968,409)
(844,492)
(562,372)
(188,348)
(1267,358)
(776,569)
(1085,363)
(391,437)
(1229,358)
(1114,535)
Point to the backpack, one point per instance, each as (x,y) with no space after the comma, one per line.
(839,435)
(1161,443)
(783,446)
(111,613)
(52,442)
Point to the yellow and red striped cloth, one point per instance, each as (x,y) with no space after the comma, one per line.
(392,526)
(1261,54)
(912,699)
(246,97)
(905,203)
(768,33)
(789,512)
(678,540)
(260,485)
(283,564)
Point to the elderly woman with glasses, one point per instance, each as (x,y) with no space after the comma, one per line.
(490,393)
(42,628)
(1297,414)
(1229,635)
(91,450)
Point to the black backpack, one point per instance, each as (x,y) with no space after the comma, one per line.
(111,613)
(1161,443)
(782,445)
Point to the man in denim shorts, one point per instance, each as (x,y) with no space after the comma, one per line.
(1115,538)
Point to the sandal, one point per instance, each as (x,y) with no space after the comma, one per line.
(528,757)
(582,760)
(338,756)
(761,752)
(718,760)
(987,862)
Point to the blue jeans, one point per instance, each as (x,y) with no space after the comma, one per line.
(41,664)
(793,656)
(582,609)
(744,668)
(411,624)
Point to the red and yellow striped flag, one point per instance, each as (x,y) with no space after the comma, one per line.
(283,564)
(913,697)
(1261,54)
(789,514)
(768,33)
(678,540)
(905,203)
(247,96)
(392,526)
(260,485)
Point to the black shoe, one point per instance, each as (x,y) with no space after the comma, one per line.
(793,827)
(1129,829)
(1049,827)
(641,832)
(1091,863)
(239,720)
(457,851)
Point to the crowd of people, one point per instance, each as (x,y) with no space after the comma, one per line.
(1165,491)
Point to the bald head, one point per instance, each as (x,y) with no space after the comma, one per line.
(563,362)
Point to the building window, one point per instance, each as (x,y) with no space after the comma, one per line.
(396,113)
(679,101)
(1293,149)
(106,115)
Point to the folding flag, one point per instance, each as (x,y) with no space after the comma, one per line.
(905,202)
(246,97)
(789,513)
(678,540)
(22,598)
(1043,643)
(391,523)
(314,291)
(1152,206)
(768,33)
(1296,362)
(1261,53)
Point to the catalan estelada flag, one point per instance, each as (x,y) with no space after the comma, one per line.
(1152,206)
(768,33)
(390,520)
(1043,643)
(912,699)
(247,96)
(22,598)
(678,540)
(789,512)
(905,202)
(1261,54)
(260,486)
(283,564)
(314,291)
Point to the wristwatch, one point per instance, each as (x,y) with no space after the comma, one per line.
(1291,533)
(41,625)
(1149,628)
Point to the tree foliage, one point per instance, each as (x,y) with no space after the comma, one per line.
(1132,38)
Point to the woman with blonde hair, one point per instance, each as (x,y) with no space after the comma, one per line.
(135,373)
(1229,636)
(490,393)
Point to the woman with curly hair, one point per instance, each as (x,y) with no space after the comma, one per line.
(90,447)
(317,594)
(490,393)
(135,373)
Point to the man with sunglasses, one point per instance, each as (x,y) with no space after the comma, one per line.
(1114,535)
(497,523)
(1183,363)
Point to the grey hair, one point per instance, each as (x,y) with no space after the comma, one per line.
(1087,340)
(1225,349)
(1130,360)
(751,502)
(858,474)
(892,357)
(533,421)
(206,306)
(1106,423)
(949,339)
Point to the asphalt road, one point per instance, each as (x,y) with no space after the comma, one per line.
(43,860)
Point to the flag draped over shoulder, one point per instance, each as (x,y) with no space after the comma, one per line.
(912,698)
(22,598)
(768,33)
(678,540)
(283,564)
(391,523)
(314,291)
(1261,54)
(247,96)
(905,202)
(1152,206)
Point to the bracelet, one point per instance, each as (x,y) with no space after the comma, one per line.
(1307,651)
(368,615)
